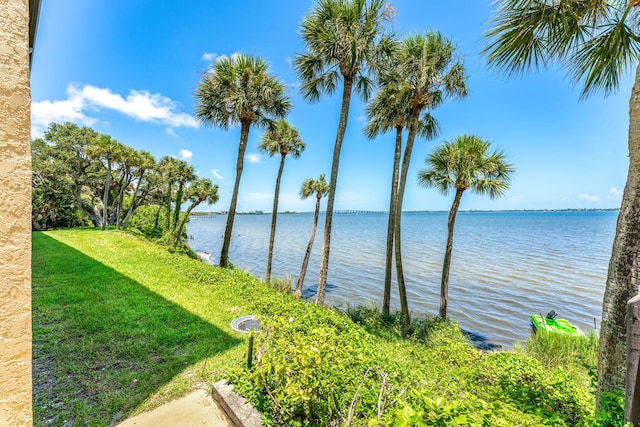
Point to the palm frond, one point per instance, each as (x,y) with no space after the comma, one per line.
(465,163)
(602,59)
(595,40)
(282,139)
(240,88)
(343,39)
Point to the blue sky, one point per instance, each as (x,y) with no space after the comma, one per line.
(129,69)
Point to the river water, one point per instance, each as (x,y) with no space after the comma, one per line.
(505,265)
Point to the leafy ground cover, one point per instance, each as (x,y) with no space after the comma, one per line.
(121,325)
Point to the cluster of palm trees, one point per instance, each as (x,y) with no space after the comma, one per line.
(79,173)
(348,48)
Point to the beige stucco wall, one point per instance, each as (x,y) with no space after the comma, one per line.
(15,216)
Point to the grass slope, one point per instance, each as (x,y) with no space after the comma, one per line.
(121,325)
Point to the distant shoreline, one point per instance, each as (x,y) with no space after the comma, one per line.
(357,211)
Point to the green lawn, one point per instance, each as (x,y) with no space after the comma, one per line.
(120,326)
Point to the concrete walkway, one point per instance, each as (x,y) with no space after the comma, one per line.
(194,410)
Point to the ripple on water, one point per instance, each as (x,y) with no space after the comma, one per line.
(504,265)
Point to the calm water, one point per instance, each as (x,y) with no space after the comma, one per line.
(505,265)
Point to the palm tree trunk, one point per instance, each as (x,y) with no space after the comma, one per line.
(133,201)
(105,197)
(155,226)
(274,217)
(342,127)
(244,136)
(386,298)
(624,266)
(307,255)
(444,286)
(406,159)
(167,208)
(176,211)
(183,221)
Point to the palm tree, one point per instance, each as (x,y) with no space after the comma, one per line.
(144,161)
(200,190)
(345,41)
(597,41)
(168,170)
(320,188)
(429,70)
(283,139)
(390,110)
(185,173)
(462,164)
(239,90)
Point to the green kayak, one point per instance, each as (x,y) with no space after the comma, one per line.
(550,323)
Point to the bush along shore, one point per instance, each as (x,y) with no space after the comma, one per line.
(120,325)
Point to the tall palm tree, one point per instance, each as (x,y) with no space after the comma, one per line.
(390,110)
(200,190)
(459,165)
(185,173)
(320,188)
(345,41)
(144,162)
(429,70)
(283,139)
(239,90)
(597,41)
(168,170)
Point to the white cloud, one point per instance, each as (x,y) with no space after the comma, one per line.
(208,56)
(233,56)
(616,193)
(589,197)
(216,173)
(36,132)
(253,158)
(186,154)
(516,198)
(171,132)
(68,110)
(138,104)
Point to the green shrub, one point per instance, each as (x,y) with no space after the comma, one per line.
(144,219)
(392,326)
(440,412)
(282,284)
(611,412)
(311,372)
(527,384)
(315,367)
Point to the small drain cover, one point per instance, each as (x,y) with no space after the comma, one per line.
(246,324)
